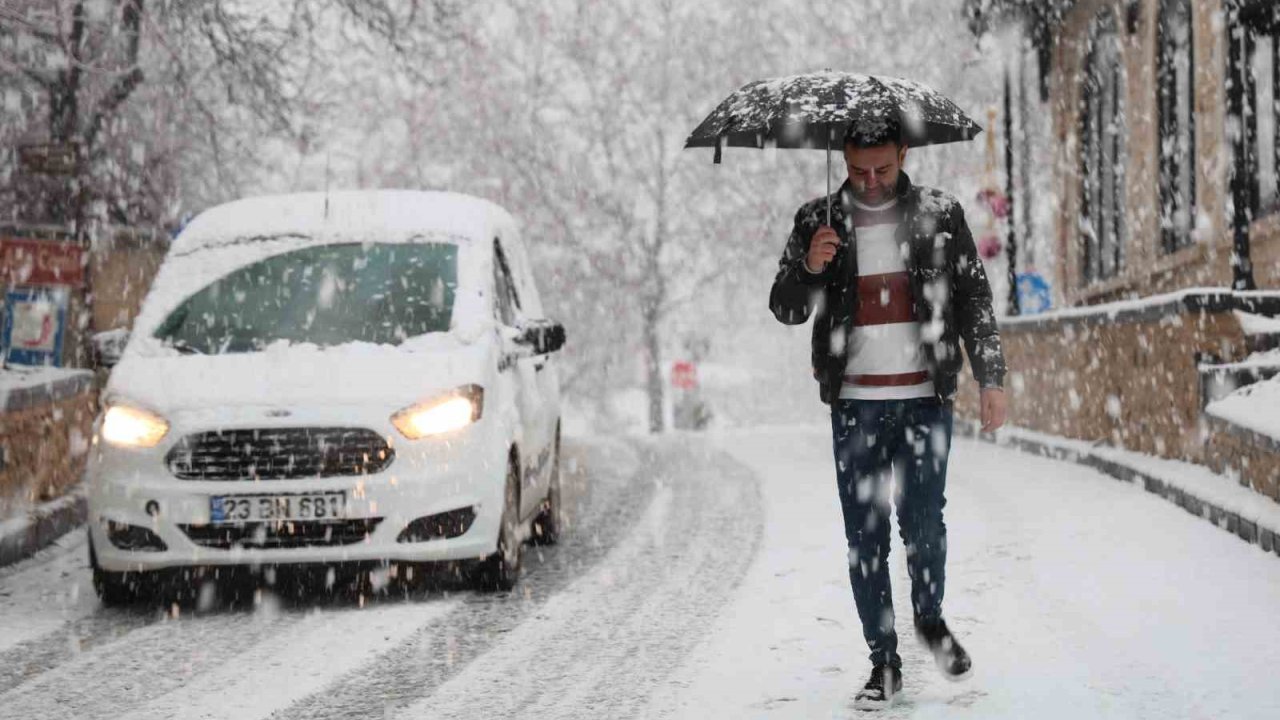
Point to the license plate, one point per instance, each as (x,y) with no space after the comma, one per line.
(291,507)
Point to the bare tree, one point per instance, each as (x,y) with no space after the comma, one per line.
(593,114)
(210,69)
(573,114)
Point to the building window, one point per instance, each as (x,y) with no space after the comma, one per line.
(1175,84)
(1254,97)
(1102,134)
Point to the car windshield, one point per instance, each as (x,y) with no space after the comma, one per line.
(326,295)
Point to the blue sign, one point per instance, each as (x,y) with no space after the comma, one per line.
(1034,295)
(34,321)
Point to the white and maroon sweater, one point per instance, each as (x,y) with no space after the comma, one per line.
(885,359)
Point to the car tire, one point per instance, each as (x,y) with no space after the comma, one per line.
(116,589)
(550,521)
(501,571)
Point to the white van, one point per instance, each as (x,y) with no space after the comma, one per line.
(362,376)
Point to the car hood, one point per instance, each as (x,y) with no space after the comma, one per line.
(298,377)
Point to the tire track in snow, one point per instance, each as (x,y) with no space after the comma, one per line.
(130,656)
(28,660)
(603,646)
(48,611)
(611,485)
(142,664)
(291,665)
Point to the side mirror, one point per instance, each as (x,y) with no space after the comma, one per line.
(108,346)
(531,339)
(543,336)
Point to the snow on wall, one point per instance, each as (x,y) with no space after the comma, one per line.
(18,382)
(1254,407)
(1254,324)
(1112,310)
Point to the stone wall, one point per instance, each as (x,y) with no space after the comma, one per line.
(1125,375)
(1241,453)
(45,432)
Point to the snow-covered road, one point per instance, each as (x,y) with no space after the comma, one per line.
(704,577)
(660,536)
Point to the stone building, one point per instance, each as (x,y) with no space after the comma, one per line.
(1143,164)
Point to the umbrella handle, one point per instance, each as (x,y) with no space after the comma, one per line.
(828,177)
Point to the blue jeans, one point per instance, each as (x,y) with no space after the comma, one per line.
(877,441)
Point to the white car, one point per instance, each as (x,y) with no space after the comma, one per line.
(346,377)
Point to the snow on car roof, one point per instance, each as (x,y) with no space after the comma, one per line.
(386,215)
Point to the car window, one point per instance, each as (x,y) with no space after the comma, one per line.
(521,272)
(326,295)
(508,298)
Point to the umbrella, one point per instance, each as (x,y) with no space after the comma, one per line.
(813,110)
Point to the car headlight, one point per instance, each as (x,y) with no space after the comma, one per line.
(132,427)
(441,415)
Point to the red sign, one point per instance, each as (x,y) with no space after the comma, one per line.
(684,375)
(40,262)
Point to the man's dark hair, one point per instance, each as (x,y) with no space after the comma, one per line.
(873,132)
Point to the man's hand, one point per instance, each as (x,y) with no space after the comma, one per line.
(994,409)
(821,249)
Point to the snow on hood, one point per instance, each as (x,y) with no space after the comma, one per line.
(300,376)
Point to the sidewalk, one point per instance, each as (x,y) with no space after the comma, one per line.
(23,536)
(1221,500)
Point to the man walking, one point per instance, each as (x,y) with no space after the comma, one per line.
(895,282)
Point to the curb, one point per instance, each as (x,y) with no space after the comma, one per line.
(1248,530)
(42,526)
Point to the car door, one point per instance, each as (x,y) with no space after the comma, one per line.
(547,366)
(528,403)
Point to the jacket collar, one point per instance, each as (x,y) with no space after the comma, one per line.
(842,198)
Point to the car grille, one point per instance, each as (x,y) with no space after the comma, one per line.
(279,453)
(283,534)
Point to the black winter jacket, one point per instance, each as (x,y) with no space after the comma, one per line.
(948,286)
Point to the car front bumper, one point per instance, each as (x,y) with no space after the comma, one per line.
(428,477)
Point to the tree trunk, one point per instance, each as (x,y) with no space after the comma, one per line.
(656,386)
(658,300)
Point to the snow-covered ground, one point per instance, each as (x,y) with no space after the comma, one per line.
(1077,595)
(704,577)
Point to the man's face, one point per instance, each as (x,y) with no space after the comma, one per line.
(873,171)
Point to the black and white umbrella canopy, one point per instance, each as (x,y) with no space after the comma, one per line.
(815,110)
